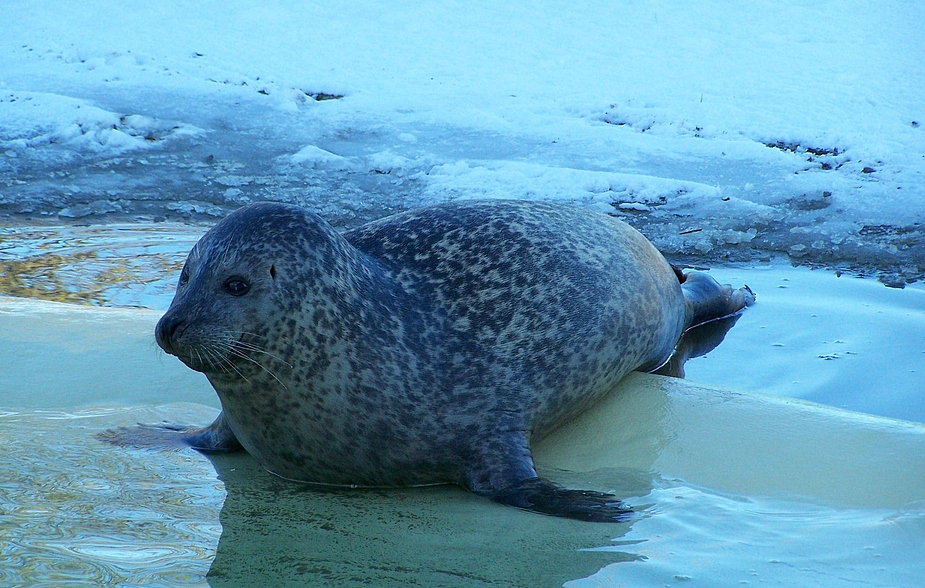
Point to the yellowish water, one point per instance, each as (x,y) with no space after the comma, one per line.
(104,265)
(75,513)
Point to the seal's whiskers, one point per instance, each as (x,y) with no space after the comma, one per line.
(220,350)
(234,351)
(251,347)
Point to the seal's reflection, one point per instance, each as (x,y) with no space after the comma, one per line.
(278,533)
(697,342)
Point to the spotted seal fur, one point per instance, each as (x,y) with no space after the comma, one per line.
(427,347)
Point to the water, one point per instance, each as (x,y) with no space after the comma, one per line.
(103,265)
(74,513)
(732,489)
(698,538)
(840,341)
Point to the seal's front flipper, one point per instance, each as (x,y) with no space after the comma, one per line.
(708,300)
(215,437)
(542,496)
(504,472)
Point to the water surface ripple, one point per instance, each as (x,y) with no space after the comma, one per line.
(76,512)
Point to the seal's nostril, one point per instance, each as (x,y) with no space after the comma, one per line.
(167,331)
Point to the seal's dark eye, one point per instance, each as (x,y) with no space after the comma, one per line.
(236,286)
(184,276)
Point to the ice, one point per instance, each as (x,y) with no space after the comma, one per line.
(777,129)
(530,181)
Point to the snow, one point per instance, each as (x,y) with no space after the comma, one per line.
(35,120)
(532,181)
(723,131)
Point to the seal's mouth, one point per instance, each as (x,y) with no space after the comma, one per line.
(207,350)
(220,354)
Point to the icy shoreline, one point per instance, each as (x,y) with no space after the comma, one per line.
(780,130)
(201,175)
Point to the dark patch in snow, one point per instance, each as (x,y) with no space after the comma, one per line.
(811,201)
(322,96)
(798,148)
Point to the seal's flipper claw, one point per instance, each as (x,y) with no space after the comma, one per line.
(216,437)
(542,496)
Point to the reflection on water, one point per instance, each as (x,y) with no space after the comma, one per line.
(839,341)
(110,265)
(280,533)
(75,513)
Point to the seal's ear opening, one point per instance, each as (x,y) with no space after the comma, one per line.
(273,271)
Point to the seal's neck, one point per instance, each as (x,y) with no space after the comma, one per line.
(354,307)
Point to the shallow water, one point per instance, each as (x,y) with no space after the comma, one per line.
(74,513)
(840,341)
(732,489)
(103,265)
(695,537)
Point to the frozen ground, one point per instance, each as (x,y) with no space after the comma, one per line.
(724,132)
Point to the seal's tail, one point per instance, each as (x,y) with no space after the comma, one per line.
(708,300)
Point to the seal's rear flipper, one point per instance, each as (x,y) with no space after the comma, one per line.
(708,300)
(215,437)
(542,496)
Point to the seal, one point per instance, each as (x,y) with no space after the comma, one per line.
(427,347)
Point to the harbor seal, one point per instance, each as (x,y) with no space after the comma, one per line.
(427,347)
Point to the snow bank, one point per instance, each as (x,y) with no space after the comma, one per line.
(594,189)
(723,131)
(35,120)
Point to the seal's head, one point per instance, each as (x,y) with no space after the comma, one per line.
(238,282)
